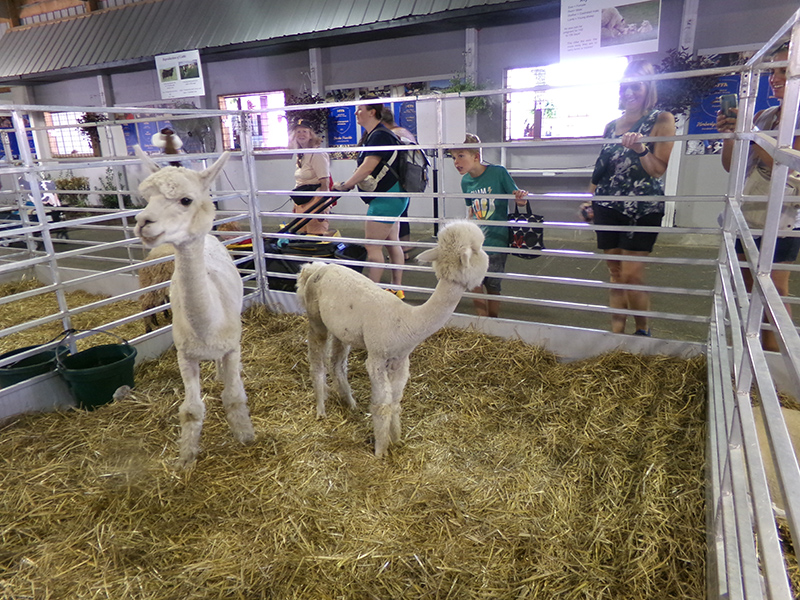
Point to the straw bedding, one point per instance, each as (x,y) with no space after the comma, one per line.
(517,477)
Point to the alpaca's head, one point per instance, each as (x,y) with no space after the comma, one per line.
(459,256)
(179,206)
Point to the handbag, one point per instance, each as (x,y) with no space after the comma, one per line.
(755,213)
(304,188)
(521,233)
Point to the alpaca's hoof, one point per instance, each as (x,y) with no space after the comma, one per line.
(187,461)
(246,437)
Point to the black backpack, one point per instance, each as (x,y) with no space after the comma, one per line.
(410,167)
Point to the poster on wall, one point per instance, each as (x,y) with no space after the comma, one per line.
(8,139)
(703,117)
(342,129)
(180,75)
(591,28)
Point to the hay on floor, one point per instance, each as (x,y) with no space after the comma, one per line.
(517,477)
(45,304)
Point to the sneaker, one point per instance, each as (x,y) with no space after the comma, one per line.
(644,332)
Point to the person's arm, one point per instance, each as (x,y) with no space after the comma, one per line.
(655,161)
(763,155)
(360,174)
(511,188)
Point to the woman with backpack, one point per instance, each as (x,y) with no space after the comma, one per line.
(373,175)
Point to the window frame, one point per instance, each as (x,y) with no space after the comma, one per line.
(262,123)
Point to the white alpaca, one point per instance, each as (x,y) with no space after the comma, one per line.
(206,293)
(346,309)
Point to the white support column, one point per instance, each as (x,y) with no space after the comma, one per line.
(688,25)
(105,90)
(471,54)
(315,71)
(471,69)
(23,94)
(687,39)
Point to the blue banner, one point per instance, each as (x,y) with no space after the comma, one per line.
(342,129)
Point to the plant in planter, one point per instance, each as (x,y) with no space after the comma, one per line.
(108,191)
(678,96)
(318,117)
(91,132)
(68,182)
(474,104)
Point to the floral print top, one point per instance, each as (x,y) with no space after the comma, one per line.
(618,172)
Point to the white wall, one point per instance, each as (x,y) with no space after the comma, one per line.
(720,23)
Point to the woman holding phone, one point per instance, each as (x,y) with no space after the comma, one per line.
(759,172)
(627,167)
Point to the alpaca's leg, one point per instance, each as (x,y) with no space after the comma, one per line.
(234,398)
(191,412)
(398,375)
(381,404)
(339,352)
(317,338)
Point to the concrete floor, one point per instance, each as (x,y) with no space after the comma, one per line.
(577,266)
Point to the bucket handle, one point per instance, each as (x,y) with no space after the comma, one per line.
(39,348)
(68,332)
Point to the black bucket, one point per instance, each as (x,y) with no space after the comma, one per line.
(36,364)
(351,252)
(95,374)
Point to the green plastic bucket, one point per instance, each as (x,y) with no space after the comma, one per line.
(95,374)
(36,364)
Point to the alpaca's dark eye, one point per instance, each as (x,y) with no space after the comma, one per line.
(186,201)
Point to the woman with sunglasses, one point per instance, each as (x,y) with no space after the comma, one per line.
(628,167)
(312,174)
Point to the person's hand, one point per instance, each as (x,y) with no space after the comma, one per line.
(630,140)
(587,212)
(341,187)
(726,124)
(519,196)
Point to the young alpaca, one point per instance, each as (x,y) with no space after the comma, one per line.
(206,294)
(347,309)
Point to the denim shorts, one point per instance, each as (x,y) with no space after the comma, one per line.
(786,248)
(497,264)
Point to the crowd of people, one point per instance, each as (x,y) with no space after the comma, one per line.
(625,168)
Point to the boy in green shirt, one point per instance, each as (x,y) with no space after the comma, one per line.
(488,181)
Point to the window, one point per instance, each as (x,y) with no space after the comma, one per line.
(268,128)
(67,141)
(577,111)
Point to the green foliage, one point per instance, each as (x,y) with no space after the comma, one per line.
(110,199)
(318,117)
(67,181)
(474,104)
(678,96)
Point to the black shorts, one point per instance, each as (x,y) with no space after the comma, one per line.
(786,248)
(636,241)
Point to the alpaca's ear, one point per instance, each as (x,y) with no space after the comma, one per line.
(146,160)
(429,255)
(211,173)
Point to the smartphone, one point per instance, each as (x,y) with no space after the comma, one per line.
(727,102)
